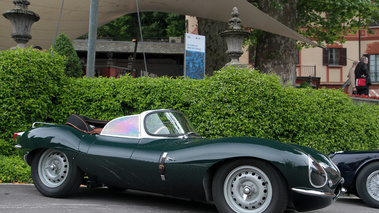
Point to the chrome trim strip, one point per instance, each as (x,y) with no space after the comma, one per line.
(343,190)
(34,124)
(314,192)
(18,146)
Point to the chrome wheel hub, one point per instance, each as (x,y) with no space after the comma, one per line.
(53,168)
(247,189)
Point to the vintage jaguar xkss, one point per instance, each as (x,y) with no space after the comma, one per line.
(158,151)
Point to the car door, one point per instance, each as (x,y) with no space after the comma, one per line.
(145,163)
(106,157)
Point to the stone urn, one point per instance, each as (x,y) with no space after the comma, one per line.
(234,38)
(21,19)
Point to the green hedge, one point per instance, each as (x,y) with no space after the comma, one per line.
(233,102)
(13,169)
(30,83)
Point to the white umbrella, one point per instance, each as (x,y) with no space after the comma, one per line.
(75,16)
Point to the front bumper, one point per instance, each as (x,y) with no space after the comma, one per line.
(311,199)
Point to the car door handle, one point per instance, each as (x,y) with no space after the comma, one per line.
(161,166)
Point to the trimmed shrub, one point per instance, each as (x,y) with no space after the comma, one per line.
(64,47)
(234,102)
(247,103)
(14,169)
(30,83)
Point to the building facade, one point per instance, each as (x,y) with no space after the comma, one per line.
(332,63)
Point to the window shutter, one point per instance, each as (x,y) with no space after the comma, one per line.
(297,56)
(343,60)
(325,58)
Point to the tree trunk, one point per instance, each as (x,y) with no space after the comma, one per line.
(277,54)
(215,52)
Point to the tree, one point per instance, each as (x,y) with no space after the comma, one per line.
(324,21)
(216,47)
(121,29)
(63,46)
(154,25)
(336,18)
(274,53)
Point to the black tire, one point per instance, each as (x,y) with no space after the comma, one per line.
(368,184)
(54,174)
(249,186)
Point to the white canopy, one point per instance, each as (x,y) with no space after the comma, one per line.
(75,16)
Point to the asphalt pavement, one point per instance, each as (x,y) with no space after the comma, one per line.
(24,198)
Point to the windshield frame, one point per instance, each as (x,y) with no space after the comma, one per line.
(184,124)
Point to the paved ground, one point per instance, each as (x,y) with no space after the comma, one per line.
(16,198)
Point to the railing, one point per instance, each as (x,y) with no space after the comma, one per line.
(306,70)
(153,70)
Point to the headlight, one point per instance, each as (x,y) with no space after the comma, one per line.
(317,174)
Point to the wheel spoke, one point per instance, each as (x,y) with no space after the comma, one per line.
(372,185)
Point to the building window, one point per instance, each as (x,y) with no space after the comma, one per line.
(374,67)
(334,56)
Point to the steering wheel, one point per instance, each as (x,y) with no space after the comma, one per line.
(160,129)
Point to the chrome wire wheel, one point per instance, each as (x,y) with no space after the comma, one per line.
(53,168)
(372,185)
(367,184)
(247,189)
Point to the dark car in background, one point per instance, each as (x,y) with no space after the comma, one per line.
(360,169)
(159,151)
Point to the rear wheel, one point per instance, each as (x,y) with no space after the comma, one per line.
(368,184)
(249,186)
(54,174)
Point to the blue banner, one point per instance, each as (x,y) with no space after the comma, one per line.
(194,56)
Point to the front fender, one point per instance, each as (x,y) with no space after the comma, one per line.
(289,160)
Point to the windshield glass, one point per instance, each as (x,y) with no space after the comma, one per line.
(168,124)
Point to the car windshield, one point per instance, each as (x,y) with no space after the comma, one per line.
(168,124)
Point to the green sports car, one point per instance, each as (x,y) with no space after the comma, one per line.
(159,151)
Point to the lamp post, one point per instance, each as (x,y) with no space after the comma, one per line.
(21,19)
(234,38)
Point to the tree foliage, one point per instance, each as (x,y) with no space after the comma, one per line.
(323,21)
(327,21)
(336,18)
(64,47)
(154,25)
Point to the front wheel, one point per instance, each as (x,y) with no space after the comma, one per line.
(368,184)
(54,174)
(249,186)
